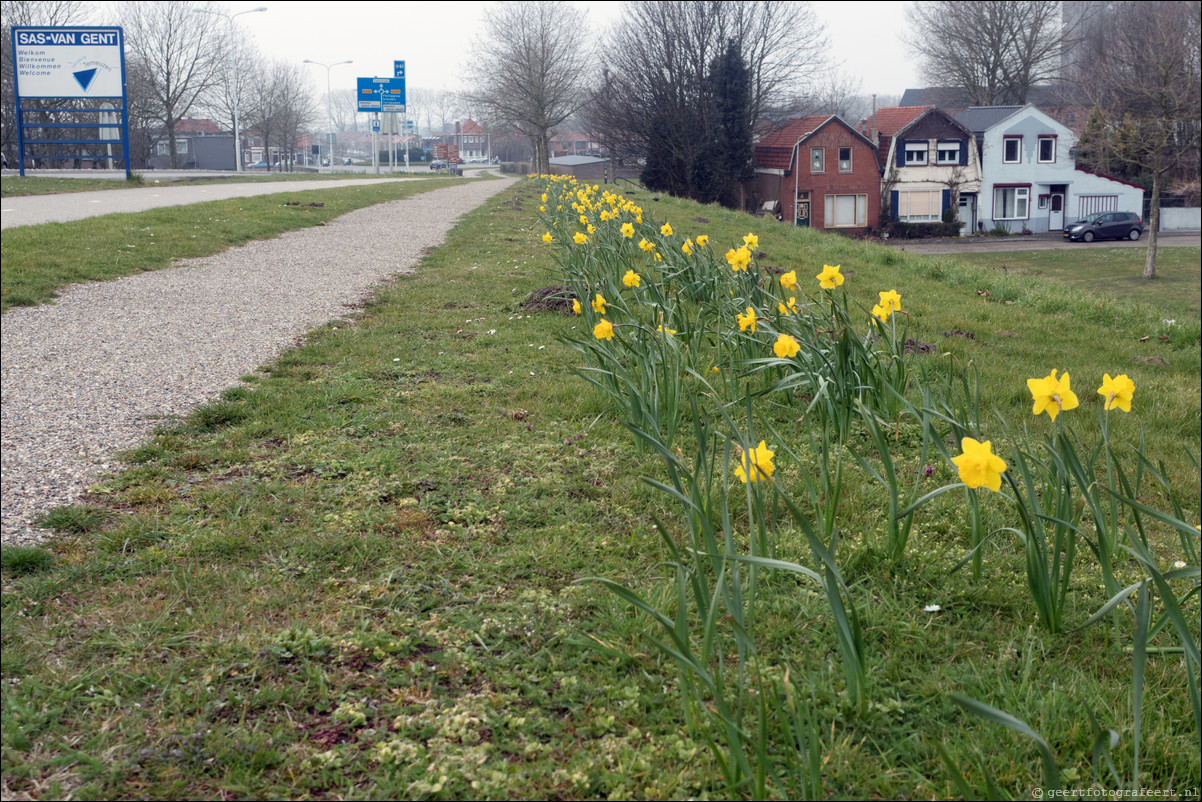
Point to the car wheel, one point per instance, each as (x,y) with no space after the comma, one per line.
(1134,235)
(1087,236)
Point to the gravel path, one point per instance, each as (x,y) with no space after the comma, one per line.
(91,374)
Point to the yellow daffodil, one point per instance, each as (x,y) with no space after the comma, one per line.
(703,240)
(789,280)
(631,279)
(544,198)
(666,229)
(604,330)
(891,300)
(830,277)
(580,238)
(644,245)
(687,247)
(788,309)
(592,229)
(547,237)
(1052,395)
(1117,391)
(659,258)
(747,320)
(599,304)
(583,220)
(882,313)
(786,347)
(738,260)
(542,208)
(978,465)
(604,216)
(627,231)
(668,332)
(751,241)
(757,464)
(576,306)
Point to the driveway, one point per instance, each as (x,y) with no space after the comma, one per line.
(1037,242)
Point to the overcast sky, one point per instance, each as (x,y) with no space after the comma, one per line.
(434,39)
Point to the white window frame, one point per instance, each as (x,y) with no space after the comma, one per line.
(1022,203)
(1018,150)
(817,160)
(162,148)
(181,146)
(859,215)
(920,151)
(845,164)
(950,148)
(1039,152)
(934,205)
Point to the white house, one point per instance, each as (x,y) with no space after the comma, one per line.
(1030,180)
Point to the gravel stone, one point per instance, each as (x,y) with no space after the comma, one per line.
(93,373)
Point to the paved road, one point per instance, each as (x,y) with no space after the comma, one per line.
(1037,242)
(33,209)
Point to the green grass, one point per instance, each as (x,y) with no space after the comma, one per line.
(16,186)
(1112,272)
(357,576)
(36,263)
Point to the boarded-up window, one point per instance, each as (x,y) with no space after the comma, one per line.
(1092,204)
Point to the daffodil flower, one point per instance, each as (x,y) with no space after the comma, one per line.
(751,241)
(631,279)
(789,280)
(599,304)
(1117,391)
(738,260)
(547,237)
(789,308)
(627,230)
(580,238)
(747,320)
(576,306)
(978,465)
(703,240)
(757,464)
(668,332)
(666,229)
(1052,395)
(786,347)
(891,300)
(604,330)
(830,277)
(687,247)
(882,313)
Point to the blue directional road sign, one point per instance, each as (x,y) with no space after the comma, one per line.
(398,69)
(380,94)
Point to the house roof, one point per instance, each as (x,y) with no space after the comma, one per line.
(891,119)
(979,119)
(470,126)
(197,126)
(775,150)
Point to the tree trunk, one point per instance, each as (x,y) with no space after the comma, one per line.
(1153,224)
(171,144)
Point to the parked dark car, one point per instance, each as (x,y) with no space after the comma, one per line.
(1106,225)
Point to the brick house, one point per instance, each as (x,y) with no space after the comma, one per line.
(822,172)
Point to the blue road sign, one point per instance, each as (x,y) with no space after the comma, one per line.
(398,69)
(380,94)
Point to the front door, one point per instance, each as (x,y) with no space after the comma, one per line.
(802,208)
(968,214)
(1056,213)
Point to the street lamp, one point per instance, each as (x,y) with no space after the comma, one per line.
(329,105)
(233,47)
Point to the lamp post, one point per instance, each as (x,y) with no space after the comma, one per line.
(233,46)
(329,104)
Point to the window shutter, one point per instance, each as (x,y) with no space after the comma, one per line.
(893,199)
(901,152)
(964,152)
(947,202)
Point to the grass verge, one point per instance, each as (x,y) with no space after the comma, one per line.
(360,579)
(39,260)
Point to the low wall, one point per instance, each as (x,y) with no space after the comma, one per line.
(1181,219)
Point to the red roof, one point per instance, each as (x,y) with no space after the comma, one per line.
(470,126)
(888,121)
(775,151)
(196,126)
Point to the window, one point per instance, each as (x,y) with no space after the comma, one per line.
(817,160)
(922,206)
(1047,149)
(1011,203)
(181,146)
(916,154)
(947,153)
(1043,201)
(1012,150)
(846,211)
(163,148)
(845,160)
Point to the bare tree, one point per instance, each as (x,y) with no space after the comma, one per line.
(1150,78)
(344,105)
(994,49)
(183,52)
(298,108)
(529,72)
(656,100)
